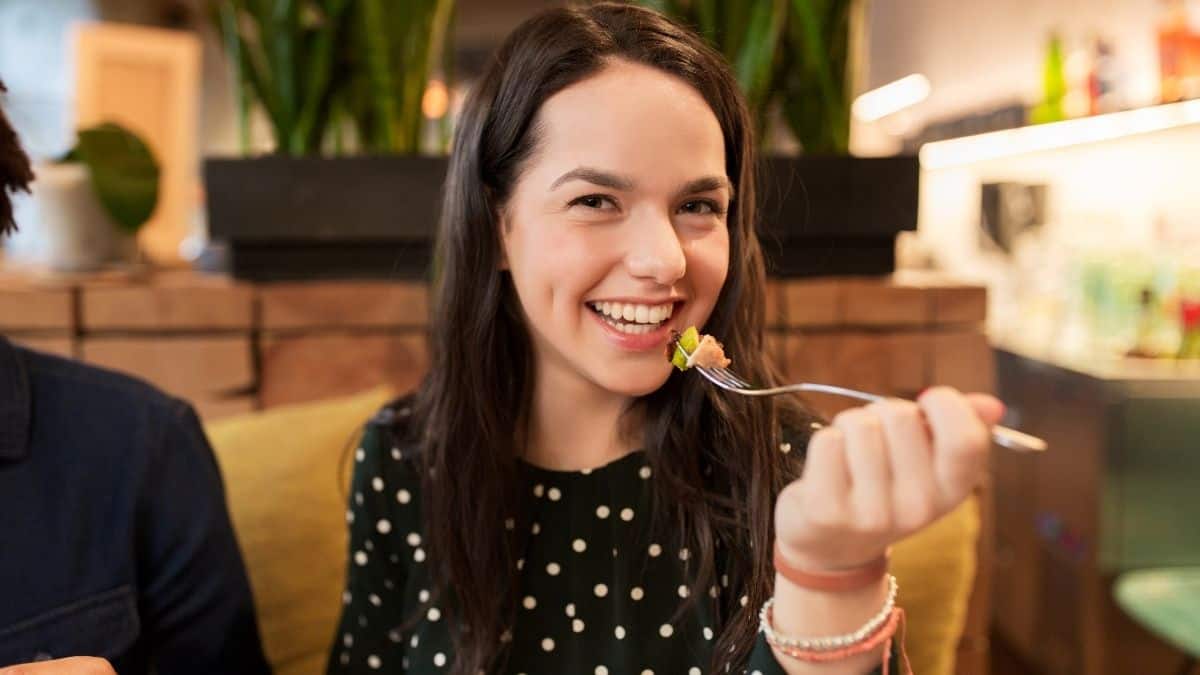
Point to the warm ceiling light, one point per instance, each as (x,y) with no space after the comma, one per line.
(436,100)
(890,98)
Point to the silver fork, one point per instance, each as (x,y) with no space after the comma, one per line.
(725,379)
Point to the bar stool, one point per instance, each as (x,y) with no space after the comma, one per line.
(1165,602)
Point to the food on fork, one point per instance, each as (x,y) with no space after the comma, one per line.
(693,349)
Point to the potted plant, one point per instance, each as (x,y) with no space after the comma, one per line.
(92,202)
(823,212)
(340,83)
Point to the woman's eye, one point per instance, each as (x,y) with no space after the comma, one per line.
(701,207)
(593,202)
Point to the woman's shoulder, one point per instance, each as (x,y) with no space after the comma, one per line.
(389,446)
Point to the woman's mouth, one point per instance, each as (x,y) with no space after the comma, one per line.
(632,318)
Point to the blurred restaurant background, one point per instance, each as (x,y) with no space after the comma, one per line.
(235,201)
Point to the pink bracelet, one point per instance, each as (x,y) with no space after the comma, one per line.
(882,637)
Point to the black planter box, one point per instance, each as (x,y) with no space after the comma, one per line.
(822,216)
(321,218)
(375,217)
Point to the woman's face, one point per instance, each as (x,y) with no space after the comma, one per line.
(615,232)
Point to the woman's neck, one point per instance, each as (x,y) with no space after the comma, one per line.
(575,424)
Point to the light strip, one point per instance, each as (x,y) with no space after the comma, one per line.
(891,98)
(1054,135)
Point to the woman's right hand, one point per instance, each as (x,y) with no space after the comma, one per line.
(79,665)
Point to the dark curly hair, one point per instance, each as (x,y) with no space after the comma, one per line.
(15,172)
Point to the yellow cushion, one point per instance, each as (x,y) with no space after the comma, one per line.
(286,495)
(936,572)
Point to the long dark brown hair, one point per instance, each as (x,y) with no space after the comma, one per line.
(715,457)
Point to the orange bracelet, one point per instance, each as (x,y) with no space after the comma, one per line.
(837,582)
(893,630)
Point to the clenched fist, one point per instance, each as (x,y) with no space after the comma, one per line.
(881,472)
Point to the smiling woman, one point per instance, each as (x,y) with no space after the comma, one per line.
(554,497)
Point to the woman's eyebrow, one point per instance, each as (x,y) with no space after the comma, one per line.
(595,176)
(706,184)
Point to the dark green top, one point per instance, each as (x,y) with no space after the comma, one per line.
(597,591)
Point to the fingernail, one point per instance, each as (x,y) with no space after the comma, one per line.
(922,392)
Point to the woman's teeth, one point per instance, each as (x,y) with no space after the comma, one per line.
(632,318)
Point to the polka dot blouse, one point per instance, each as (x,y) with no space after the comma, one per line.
(597,596)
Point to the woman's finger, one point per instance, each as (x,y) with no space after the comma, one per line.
(870,470)
(826,479)
(960,442)
(914,490)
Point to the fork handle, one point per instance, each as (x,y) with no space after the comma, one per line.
(1002,435)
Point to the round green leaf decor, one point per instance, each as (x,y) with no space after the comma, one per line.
(123,171)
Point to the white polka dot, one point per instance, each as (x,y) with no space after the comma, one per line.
(348,640)
(744,600)
(619,631)
(539,490)
(684,591)
(627,515)
(647,672)
(419,555)
(555,494)
(374,662)
(360,557)
(537,527)
(601,670)
(553,569)
(414,641)
(349,517)
(346,597)
(403,496)
(529,602)
(521,563)
(394,636)
(396,454)
(614,552)
(374,600)
(785,448)
(439,659)
(756,672)
(423,596)
(637,593)
(708,633)
(644,472)
(666,630)
(369,545)
(547,645)
(725,580)
(413,539)
(358,498)
(684,554)
(384,526)
(601,590)
(655,550)
(713,592)
(602,512)
(570,609)
(359,455)
(577,626)
(509,523)
(694,671)
(433,614)
(344,658)
(579,545)
(377,484)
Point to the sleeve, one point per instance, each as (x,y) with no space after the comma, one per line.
(195,597)
(383,508)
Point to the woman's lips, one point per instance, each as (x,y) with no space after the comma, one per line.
(653,340)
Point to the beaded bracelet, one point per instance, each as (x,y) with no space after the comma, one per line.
(827,644)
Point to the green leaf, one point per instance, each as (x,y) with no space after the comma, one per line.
(123,171)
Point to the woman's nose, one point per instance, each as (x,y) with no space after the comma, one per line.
(656,252)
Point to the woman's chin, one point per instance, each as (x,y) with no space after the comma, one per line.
(635,383)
